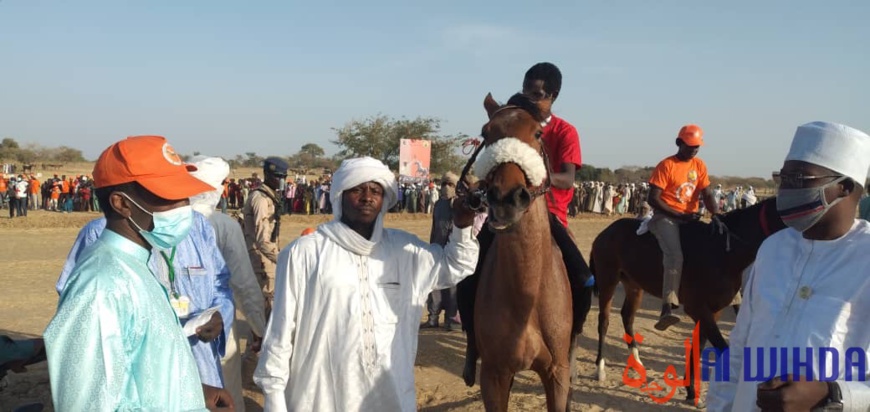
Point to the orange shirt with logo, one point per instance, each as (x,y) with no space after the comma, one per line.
(681,182)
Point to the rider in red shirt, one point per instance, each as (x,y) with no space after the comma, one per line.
(562,143)
(561,140)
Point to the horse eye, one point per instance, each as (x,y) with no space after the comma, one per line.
(538,134)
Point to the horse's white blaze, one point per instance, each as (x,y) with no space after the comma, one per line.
(602,375)
(511,150)
(636,356)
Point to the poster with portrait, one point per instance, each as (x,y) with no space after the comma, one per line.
(414,156)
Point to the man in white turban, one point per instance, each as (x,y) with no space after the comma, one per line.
(348,299)
(246,290)
(808,293)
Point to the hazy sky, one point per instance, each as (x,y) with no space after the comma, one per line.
(228,77)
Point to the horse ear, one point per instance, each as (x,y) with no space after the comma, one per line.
(490,105)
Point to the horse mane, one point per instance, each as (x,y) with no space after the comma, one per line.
(742,222)
(524,102)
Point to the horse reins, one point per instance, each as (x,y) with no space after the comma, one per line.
(765,227)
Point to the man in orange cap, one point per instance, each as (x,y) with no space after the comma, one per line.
(675,187)
(115,341)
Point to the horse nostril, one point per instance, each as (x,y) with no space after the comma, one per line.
(522,198)
(491,195)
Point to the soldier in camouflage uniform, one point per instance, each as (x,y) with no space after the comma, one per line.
(262,225)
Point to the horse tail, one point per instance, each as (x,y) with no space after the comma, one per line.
(592,270)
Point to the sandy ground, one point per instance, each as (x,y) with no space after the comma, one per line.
(35,248)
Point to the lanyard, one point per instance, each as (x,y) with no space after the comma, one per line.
(171,267)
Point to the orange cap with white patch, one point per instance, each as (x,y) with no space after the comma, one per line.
(153,163)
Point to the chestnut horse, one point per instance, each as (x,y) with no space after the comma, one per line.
(523,317)
(713,264)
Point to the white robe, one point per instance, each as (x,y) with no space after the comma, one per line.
(599,196)
(801,294)
(608,200)
(343,331)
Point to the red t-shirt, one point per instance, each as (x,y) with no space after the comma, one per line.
(562,143)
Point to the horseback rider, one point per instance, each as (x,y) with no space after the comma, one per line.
(561,142)
(675,188)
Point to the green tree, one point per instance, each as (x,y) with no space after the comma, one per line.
(68,154)
(252,160)
(310,156)
(9,143)
(312,149)
(379,137)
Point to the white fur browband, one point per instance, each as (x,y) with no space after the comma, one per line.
(511,150)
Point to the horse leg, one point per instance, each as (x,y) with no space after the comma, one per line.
(633,298)
(557,386)
(708,327)
(605,302)
(465,298)
(711,331)
(469,371)
(495,387)
(466,295)
(691,391)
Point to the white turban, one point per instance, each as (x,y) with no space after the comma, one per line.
(834,146)
(356,171)
(211,170)
(352,173)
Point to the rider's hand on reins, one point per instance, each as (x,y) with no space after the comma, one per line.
(690,217)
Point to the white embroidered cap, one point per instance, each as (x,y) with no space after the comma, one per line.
(834,146)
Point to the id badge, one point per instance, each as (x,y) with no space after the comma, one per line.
(181,306)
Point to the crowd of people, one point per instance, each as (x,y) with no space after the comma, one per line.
(148,294)
(631,199)
(58,194)
(299,196)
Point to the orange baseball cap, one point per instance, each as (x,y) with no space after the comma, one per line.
(307,231)
(152,162)
(692,135)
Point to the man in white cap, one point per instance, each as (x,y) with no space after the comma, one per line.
(808,294)
(348,299)
(246,289)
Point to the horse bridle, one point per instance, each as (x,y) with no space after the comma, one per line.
(477,200)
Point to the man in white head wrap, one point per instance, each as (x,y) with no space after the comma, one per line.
(246,290)
(808,292)
(348,299)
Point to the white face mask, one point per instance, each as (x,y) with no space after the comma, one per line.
(800,209)
(171,227)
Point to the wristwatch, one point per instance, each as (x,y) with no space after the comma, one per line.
(834,401)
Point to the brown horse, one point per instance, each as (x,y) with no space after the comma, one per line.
(712,270)
(514,327)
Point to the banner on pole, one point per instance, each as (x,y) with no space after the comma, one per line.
(414,156)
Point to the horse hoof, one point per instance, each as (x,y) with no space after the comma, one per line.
(602,374)
(636,355)
(469,374)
